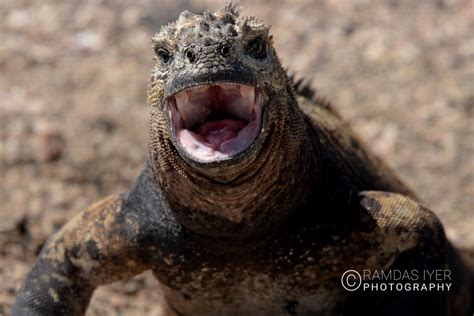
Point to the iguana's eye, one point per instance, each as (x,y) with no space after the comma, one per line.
(163,54)
(256,48)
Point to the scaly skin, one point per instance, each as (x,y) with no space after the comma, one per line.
(267,232)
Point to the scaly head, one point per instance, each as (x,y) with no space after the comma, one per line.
(221,109)
(212,72)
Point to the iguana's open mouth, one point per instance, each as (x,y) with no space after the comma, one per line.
(216,122)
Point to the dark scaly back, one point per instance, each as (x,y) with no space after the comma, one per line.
(303,87)
(342,152)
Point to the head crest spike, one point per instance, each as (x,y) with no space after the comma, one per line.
(231,8)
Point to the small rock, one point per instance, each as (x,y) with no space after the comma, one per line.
(49,143)
(18,19)
(88,40)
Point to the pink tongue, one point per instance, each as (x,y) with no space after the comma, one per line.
(216,132)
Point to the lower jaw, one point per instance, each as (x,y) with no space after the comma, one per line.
(209,150)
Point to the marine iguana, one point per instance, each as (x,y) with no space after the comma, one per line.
(255,199)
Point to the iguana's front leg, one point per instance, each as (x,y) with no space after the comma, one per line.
(429,252)
(96,247)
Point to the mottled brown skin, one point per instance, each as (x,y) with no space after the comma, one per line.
(268,232)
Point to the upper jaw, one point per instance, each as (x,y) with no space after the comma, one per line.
(213,123)
(237,73)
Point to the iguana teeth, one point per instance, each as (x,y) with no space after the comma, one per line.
(229,86)
(200,89)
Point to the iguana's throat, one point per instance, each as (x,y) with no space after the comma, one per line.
(245,198)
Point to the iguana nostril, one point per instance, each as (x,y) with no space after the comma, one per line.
(190,55)
(225,51)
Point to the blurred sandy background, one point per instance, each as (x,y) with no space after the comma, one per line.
(74,119)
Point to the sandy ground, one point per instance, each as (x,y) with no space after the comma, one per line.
(74,120)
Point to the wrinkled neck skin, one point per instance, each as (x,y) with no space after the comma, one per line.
(250,197)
